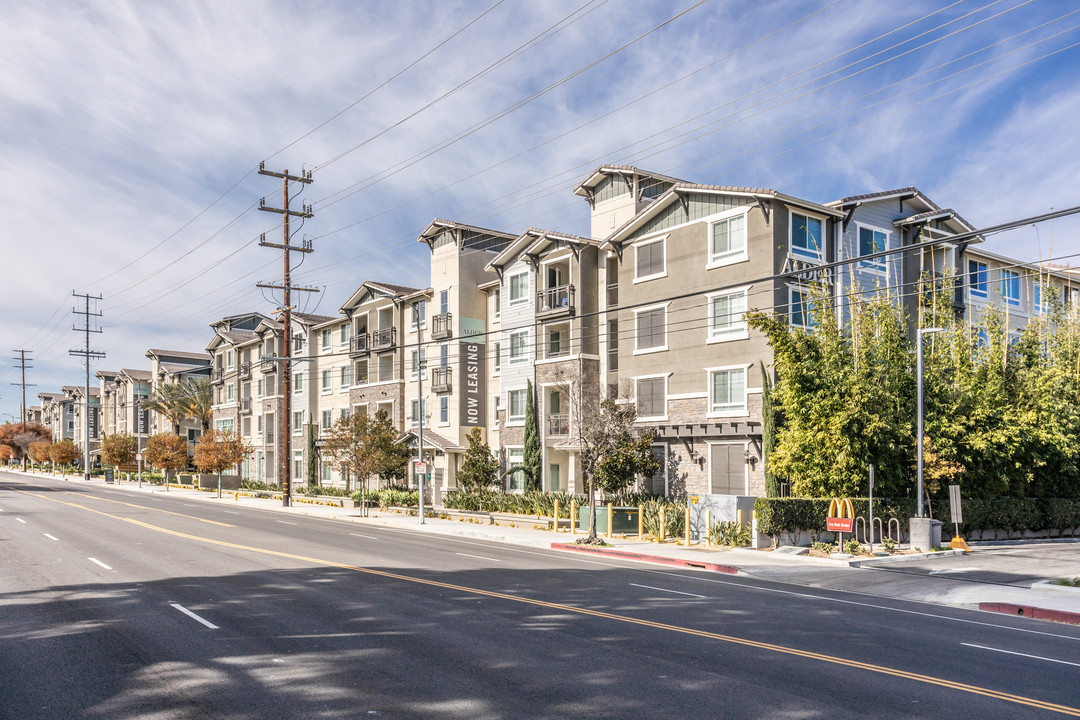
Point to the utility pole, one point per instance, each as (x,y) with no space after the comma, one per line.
(87,354)
(286,311)
(22,364)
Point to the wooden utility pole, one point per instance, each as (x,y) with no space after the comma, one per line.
(22,364)
(286,312)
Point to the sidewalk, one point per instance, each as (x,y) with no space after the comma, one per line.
(873,576)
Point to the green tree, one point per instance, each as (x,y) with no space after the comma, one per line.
(531,456)
(480,469)
(201,398)
(365,445)
(768,431)
(173,401)
(119,449)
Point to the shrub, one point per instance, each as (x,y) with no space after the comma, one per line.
(728,532)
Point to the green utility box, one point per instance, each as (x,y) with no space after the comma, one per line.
(623,519)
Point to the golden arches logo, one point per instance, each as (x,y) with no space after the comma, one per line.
(841,508)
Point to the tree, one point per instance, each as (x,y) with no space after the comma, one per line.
(166,451)
(613,449)
(768,431)
(174,401)
(39,451)
(312,457)
(219,450)
(64,452)
(26,433)
(119,449)
(6,453)
(364,445)
(480,469)
(200,395)
(531,460)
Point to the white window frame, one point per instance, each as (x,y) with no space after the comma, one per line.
(444,410)
(805,303)
(517,451)
(418,362)
(974,291)
(298,429)
(524,357)
(497,295)
(516,419)
(345,376)
(738,330)
(652,418)
(327,415)
(298,383)
(730,409)
(418,312)
(806,253)
(662,241)
(878,266)
(730,257)
(327,339)
(327,380)
(524,299)
(498,358)
(345,335)
(658,348)
(1006,276)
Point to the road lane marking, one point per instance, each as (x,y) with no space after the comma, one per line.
(21,520)
(286,522)
(143,507)
(193,616)
(677,592)
(363,536)
(1012,652)
(771,647)
(51,537)
(98,562)
(478,557)
(946,571)
(231,512)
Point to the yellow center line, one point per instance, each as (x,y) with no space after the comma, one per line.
(870,667)
(144,507)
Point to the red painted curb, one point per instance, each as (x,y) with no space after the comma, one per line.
(713,567)
(1032,612)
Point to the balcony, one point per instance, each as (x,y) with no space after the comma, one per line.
(268,364)
(217,375)
(442,379)
(442,326)
(245,406)
(359,344)
(245,371)
(555,302)
(558,424)
(384,339)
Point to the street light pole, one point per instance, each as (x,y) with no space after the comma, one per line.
(919,430)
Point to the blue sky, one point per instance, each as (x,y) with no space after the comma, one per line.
(130,132)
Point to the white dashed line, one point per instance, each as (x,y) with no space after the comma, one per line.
(677,592)
(98,562)
(51,537)
(1010,652)
(286,522)
(231,512)
(193,616)
(21,520)
(363,536)
(479,557)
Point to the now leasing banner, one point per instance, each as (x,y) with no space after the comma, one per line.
(473,345)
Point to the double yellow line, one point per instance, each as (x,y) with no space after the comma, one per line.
(869,667)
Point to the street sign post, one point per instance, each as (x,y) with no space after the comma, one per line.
(840,519)
(957,518)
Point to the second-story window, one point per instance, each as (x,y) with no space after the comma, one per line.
(346,376)
(327,381)
(1010,287)
(728,241)
(871,241)
(519,288)
(726,316)
(345,333)
(498,357)
(327,419)
(497,302)
(230,359)
(298,382)
(419,312)
(325,336)
(649,260)
(651,329)
(807,240)
(298,344)
(977,279)
(519,346)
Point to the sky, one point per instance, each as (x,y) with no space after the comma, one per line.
(131,135)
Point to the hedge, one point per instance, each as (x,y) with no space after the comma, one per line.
(777,516)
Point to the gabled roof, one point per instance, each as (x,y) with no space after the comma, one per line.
(377,288)
(438,225)
(136,374)
(431,439)
(942,214)
(177,368)
(310,319)
(184,354)
(902,193)
(533,241)
(673,193)
(585,188)
(105,374)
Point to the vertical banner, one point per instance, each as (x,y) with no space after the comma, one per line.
(473,383)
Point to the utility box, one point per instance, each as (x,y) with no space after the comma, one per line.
(721,508)
(623,519)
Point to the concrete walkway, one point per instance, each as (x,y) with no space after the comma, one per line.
(926,577)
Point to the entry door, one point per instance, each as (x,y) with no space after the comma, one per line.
(554,476)
(554,276)
(727,469)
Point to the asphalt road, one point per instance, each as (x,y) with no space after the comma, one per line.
(122,605)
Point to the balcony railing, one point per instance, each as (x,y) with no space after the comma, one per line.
(555,301)
(217,375)
(268,364)
(442,379)
(384,339)
(359,344)
(245,370)
(558,424)
(442,326)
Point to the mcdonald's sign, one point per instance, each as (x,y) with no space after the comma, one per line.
(841,517)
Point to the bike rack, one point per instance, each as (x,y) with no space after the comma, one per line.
(891,521)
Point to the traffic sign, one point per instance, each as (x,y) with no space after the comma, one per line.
(420,467)
(839,524)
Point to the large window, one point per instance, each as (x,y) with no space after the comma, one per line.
(298,382)
(515,480)
(326,337)
(871,241)
(651,330)
(346,376)
(519,288)
(807,240)
(800,308)
(726,313)
(517,405)
(519,346)
(651,396)
(727,391)
(327,381)
(728,241)
(418,362)
(346,329)
(415,409)
(298,422)
(419,313)
(649,260)
(327,419)
(977,279)
(1010,287)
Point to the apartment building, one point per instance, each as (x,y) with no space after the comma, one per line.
(87,417)
(169,367)
(58,414)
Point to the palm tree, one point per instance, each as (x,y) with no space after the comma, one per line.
(200,399)
(172,401)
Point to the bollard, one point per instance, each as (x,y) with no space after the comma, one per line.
(609,519)
(738,518)
(687,523)
(555,528)
(663,530)
(640,522)
(708,528)
(573,518)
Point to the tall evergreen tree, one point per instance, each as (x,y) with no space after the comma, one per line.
(768,432)
(532,462)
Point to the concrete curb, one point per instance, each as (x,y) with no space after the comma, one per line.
(1035,613)
(655,559)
